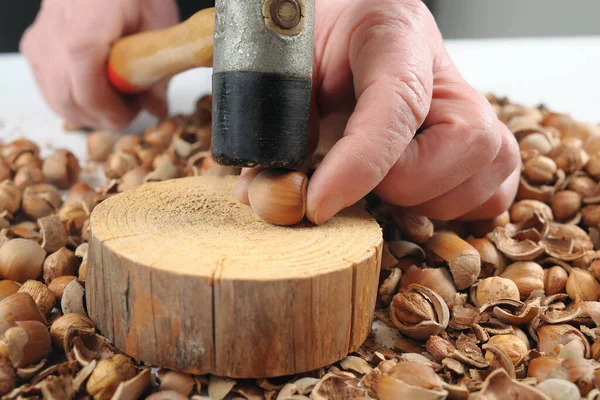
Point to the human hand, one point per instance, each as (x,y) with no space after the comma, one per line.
(67,48)
(381,71)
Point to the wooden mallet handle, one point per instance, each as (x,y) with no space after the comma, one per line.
(139,61)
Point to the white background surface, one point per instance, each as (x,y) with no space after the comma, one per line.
(562,73)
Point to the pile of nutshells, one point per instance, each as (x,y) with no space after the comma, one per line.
(498,309)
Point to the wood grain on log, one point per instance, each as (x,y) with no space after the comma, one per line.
(182,276)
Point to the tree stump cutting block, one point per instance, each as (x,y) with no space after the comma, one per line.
(182,276)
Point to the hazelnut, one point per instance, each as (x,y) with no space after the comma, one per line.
(581,285)
(108,375)
(514,347)
(593,166)
(177,381)
(492,260)
(5,171)
(419,312)
(127,143)
(28,175)
(100,145)
(565,204)
(527,275)
(8,288)
(21,259)
(552,338)
(540,170)
(462,258)
(555,279)
(26,343)
(10,197)
(43,297)
(279,196)
(536,141)
(416,227)
(61,169)
(439,348)
(18,307)
(591,215)
(495,288)
(59,284)
(584,185)
(19,149)
(41,200)
(167,395)
(437,279)
(73,299)
(524,210)
(60,263)
(119,163)
(59,327)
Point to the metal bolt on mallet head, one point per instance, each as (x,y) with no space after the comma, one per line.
(262,82)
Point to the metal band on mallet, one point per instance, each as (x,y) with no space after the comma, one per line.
(262,82)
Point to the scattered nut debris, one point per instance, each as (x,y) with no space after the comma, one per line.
(505,308)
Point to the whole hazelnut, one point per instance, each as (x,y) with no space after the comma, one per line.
(58,285)
(584,185)
(5,170)
(61,169)
(593,166)
(581,285)
(590,215)
(555,279)
(7,288)
(279,196)
(21,260)
(18,307)
(565,204)
(540,170)
(527,275)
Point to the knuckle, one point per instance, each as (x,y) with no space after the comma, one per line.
(413,95)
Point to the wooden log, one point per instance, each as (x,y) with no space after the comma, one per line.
(180,275)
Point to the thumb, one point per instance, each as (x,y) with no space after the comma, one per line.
(391,60)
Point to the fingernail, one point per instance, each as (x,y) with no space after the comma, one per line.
(327,208)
